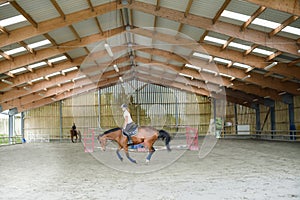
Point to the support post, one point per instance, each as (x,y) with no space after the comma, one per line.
(289,99)
(10,128)
(235,118)
(60,121)
(22,126)
(99,108)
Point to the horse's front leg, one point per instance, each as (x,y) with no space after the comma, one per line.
(127,155)
(118,153)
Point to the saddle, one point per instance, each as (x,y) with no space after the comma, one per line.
(131,129)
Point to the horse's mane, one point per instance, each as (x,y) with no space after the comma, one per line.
(111,130)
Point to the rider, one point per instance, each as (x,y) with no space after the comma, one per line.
(128,123)
(74,128)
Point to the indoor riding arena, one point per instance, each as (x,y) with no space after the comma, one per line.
(149,99)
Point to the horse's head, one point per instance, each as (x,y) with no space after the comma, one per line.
(102,141)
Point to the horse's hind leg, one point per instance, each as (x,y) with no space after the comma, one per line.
(127,155)
(151,151)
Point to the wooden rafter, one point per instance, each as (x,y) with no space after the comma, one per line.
(3,30)
(217,16)
(224,46)
(24,13)
(59,10)
(90,5)
(188,7)
(75,32)
(23,44)
(6,56)
(283,25)
(255,14)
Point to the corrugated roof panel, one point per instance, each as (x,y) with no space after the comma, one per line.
(75,53)
(110,20)
(141,40)
(41,11)
(274,15)
(86,27)
(34,39)
(206,8)
(192,32)
(163,45)
(116,40)
(142,19)
(242,7)
(176,5)
(182,51)
(167,24)
(62,35)
(153,2)
(97,2)
(8,11)
(16,26)
(71,6)
(143,54)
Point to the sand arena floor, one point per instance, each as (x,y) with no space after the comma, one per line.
(235,169)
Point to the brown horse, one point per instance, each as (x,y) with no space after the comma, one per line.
(76,134)
(145,134)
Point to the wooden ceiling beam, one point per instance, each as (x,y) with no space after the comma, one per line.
(234,56)
(59,10)
(289,6)
(43,54)
(24,33)
(188,7)
(228,29)
(24,13)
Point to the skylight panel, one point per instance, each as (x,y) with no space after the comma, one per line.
(203,56)
(69,69)
(193,67)
(262,51)
(265,23)
(37,65)
(241,65)
(214,40)
(53,60)
(235,15)
(4,4)
(222,60)
(227,75)
(209,71)
(37,79)
(39,44)
(19,70)
(239,46)
(12,20)
(53,74)
(14,51)
(292,30)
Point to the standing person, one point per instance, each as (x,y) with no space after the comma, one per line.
(129,125)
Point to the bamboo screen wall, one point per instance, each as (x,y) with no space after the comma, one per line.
(149,104)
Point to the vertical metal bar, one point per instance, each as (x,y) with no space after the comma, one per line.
(273,121)
(99,108)
(257,118)
(10,128)
(60,121)
(236,118)
(22,126)
(215,112)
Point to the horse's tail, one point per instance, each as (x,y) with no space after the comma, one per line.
(164,135)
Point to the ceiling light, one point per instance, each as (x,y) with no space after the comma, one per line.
(14,51)
(186,75)
(193,67)
(215,40)
(108,49)
(235,15)
(248,76)
(203,56)
(121,79)
(271,65)
(7,82)
(281,93)
(116,68)
(241,65)
(53,60)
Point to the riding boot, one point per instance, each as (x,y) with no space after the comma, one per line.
(129,140)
